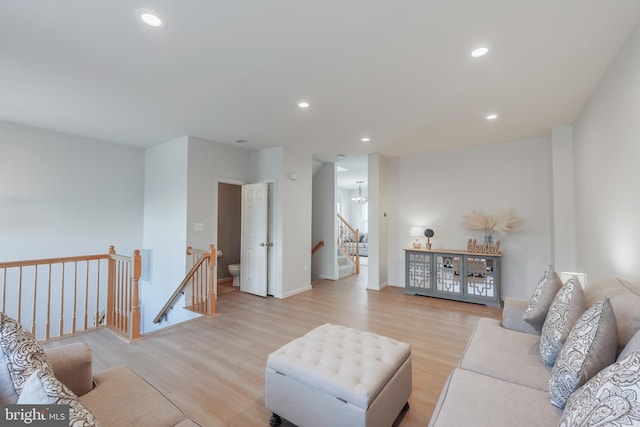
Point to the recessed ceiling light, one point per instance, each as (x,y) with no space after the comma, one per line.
(241,141)
(481,51)
(151,18)
(303,104)
(365,139)
(491,117)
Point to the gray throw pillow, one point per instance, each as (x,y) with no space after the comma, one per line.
(540,301)
(566,308)
(610,398)
(590,347)
(23,354)
(43,388)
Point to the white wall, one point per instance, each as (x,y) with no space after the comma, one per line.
(323,262)
(563,224)
(607,151)
(165,230)
(344,197)
(208,163)
(378,271)
(64,195)
(292,243)
(436,189)
(296,231)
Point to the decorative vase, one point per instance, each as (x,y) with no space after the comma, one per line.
(488,240)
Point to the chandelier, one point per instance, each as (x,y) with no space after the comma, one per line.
(359,200)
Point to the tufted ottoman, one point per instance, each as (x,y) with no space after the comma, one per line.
(337,376)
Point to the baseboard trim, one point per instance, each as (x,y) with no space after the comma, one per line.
(225,280)
(296,292)
(327,277)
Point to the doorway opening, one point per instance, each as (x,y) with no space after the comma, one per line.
(229,238)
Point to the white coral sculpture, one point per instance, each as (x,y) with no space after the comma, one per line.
(504,222)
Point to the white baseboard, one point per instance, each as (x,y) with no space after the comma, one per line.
(296,292)
(327,277)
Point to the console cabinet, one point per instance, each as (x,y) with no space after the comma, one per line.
(456,275)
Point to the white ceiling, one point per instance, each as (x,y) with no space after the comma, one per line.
(397,71)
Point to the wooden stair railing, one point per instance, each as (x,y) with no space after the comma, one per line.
(75,295)
(123,301)
(348,238)
(201,277)
(317,246)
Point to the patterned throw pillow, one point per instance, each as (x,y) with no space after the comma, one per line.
(567,306)
(55,392)
(590,347)
(540,301)
(22,352)
(610,398)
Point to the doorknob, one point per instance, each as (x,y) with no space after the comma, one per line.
(270,243)
(262,244)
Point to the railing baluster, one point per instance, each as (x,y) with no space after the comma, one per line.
(127,301)
(20,298)
(75,296)
(86,300)
(35,300)
(61,332)
(48,322)
(97,313)
(4,292)
(118,285)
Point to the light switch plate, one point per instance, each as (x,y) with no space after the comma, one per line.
(198,226)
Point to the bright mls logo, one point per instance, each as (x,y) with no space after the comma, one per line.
(34,415)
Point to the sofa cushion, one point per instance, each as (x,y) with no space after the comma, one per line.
(469,398)
(43,388)
(122,398)
(625,300)
(632,345)
(611,397)
(505,354)
(23,354)
(590,347)
(566,308)
(539,303)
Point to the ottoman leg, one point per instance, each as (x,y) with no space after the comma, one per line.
(275,420)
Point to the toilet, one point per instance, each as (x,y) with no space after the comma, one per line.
(234,270)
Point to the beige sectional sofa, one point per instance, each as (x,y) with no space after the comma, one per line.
(500,380)
(115,397)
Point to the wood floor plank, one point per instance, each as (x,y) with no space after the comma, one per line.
(213,368)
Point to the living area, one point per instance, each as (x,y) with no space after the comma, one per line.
(92,156)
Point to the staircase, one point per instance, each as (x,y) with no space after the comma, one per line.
(345,265)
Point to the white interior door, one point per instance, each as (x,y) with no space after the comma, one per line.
(253,260)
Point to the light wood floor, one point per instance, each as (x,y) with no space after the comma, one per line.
(213,368)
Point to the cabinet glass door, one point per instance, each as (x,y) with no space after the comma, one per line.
(419,270)
(448,274)
(480,277)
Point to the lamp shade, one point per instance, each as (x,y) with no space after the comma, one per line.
(416,231)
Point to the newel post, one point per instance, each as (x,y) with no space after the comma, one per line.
(211,297)
(111,286)
(134,318)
